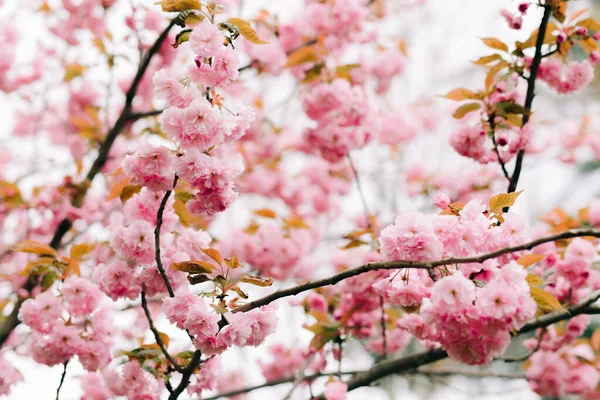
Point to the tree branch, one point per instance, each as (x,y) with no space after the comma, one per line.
(157,337)
(12,320)
(185,375)
(415,360)
(537,58)
(139,115)
(159,221)
(62,380)
(375,266)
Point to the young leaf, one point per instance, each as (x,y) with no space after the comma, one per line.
(534,280)
(460,94)
(487,59)
(465,109)
(128,192)
(503,200)
(179,5)
(240,292)
(530,259)
(246,30)
(256,280)
(589,23)
(265,212)
(31,246)
(301,56)
(117,188)
(214,254)
(78,251)
(182,37)
(494,44)
(194,267)
(233,263)
(545,300)
(577,14)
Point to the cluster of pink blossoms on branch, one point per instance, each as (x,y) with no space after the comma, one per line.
(212,191)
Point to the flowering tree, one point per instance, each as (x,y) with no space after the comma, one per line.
(181,214)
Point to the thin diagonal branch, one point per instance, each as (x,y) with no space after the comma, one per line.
(139,115)
(185,375)
(535,64)
(332,280)
(157,337)
(159,221)
(413,361)
(62,380)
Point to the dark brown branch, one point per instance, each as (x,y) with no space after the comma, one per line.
(275,383)
(535,64)
(140,115)
(332,280)
(416,360)
(12,320)
(62,380)
(185,375)
(159,221)
(157,337)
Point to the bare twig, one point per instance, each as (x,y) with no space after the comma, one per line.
(62,380)
(159,221)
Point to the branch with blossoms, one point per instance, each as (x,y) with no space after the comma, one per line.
(12,320)
(393,265)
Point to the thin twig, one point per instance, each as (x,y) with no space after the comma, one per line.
(138,115)
(383,334)
(62,380)
(361,193)
(185,375)
(159,221)
(537,58)
(157,337)
(527,356)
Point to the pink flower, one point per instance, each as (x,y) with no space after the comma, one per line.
(176,308)
(135,242)
(336,390)
(41,313)
(206,39)
(117,280)
(453,294)
(411,238)
(199,321)
(582,379)
(94,387)
(9,376)
(441,201)
(237,331)
(81,296)
(152,167)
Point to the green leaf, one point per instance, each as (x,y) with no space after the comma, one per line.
(182,37)
(465,109)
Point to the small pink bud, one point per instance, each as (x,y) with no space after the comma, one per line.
(581,31)
(523,7)
(561,37)
(517,23)
(596,35)
(595,56)
(441,201)
(502,139)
